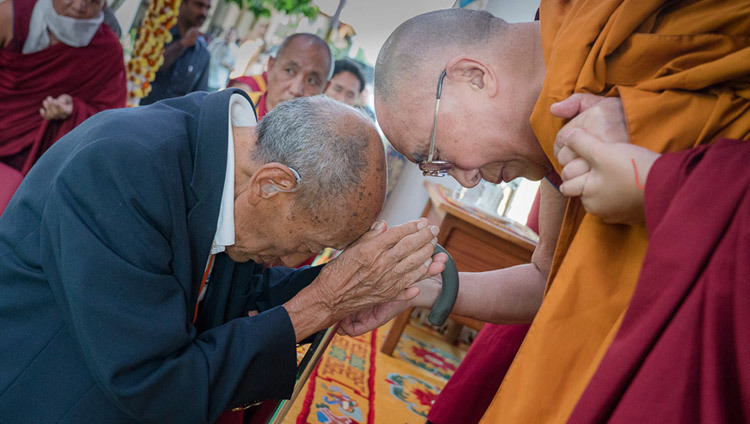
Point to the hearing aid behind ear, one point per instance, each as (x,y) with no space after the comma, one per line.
(273,188)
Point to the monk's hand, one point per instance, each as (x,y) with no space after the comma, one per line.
(610,178)
(602,117)
(57,108)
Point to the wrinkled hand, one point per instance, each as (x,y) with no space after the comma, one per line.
(380,267)
(371,318)
(57,108)
(609,177)
(602,117)
(191,37)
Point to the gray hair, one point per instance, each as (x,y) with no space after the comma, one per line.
(329,153)
(311,37)
(430,37)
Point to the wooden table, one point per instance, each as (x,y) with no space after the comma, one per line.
(476,242)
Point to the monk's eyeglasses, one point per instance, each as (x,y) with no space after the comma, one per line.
(435,168)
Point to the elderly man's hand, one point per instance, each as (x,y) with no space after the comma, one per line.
(611,180)
(602,117)
(425,293)
(380,267)
(57,108)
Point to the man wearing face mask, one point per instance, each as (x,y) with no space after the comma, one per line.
(47,83)
(186,58)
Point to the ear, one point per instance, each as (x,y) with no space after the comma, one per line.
(478,75)
(271,179)
(269,65)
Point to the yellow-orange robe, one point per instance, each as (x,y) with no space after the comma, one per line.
(682,69)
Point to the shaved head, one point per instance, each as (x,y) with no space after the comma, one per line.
(311,40)
(494,72)
(422,45)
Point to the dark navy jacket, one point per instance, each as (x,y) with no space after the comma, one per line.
(102,250)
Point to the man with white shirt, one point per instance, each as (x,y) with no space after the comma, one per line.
(125,286)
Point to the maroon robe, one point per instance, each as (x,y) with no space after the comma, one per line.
(682,354)
(94,76)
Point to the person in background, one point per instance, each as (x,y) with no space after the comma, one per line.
(250,49)
(302,67)
(223,53)
(346,83)
(125,286)
(186,57)
(58,66)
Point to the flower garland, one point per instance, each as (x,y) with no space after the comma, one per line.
(148,53)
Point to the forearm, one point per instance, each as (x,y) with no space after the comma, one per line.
(309,313)
(514,294)
(504,296)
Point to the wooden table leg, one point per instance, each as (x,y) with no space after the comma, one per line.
(394,334)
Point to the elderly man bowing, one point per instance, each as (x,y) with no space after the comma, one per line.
(126,281)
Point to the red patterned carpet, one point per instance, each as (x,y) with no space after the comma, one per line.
(355,383)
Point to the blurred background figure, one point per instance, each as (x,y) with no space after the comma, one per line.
(223,53)
(302,67)
(58,66)
(346,83)
(250,50)
(186,58)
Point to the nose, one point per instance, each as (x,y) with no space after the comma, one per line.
(79,5)
(298,86)
(467,178)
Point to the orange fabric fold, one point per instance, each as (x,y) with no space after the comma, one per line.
(682,70)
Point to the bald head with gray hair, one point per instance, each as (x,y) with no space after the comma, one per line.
(422,46)
(334,148)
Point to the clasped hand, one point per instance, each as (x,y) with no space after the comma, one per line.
(57,108)
(381,266)
(598,163)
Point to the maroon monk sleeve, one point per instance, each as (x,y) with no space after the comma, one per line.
(682,354)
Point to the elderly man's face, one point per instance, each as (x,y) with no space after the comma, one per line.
(78,9)
(480,142)
(194,12)
(272,228)
(293,237)
(301,71)
(344,87)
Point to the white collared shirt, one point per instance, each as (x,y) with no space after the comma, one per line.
(240,115)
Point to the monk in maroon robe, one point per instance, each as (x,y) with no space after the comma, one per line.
(682,353)
(46,93)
